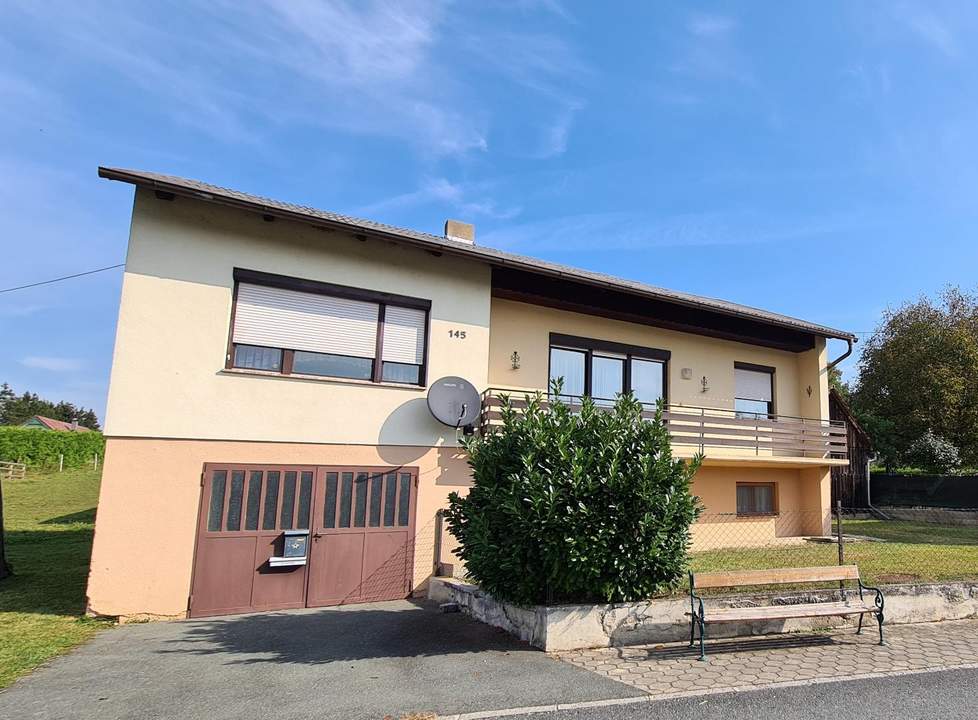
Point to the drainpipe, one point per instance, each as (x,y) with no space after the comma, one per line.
(843,356)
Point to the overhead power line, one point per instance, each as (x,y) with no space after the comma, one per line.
(59,279)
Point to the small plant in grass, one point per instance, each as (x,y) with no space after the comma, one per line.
(582,504)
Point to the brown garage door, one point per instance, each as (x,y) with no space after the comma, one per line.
(363,551)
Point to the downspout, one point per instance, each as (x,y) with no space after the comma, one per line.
(843,356)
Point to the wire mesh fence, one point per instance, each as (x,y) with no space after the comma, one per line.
(890,545)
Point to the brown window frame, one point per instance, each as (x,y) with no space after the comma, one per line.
(774,499)
(591,346)
(382,299)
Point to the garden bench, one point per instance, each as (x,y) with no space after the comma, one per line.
(701,614)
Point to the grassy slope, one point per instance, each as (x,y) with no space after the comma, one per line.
(49,520)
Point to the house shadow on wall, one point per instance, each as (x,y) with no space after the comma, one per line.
(414,415)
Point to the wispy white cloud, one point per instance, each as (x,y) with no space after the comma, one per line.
(709,50)
(17,310)
(467,200)
(928,27)
(710,25)
(381,67)
(641,231)
(54,364)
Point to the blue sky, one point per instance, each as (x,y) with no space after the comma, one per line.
(816,159)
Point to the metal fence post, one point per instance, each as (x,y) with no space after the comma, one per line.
(842,545)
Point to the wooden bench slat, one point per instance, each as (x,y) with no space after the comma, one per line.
(784,612)
(778,576)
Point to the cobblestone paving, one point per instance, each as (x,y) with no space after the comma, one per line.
(666,670)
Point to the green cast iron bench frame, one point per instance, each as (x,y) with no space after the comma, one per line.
(701,614)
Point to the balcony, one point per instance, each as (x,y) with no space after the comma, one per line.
(724,436)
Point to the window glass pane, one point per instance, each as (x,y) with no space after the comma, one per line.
(288,501)
(342,366)
(764,498)
(390,499)
(234,501)
(376,495)
(329,512)
(346,499)
(305,498)
(401,373)
(756,409)
(755,499)
(607,375)
(404,502)
(216,510)
(359,520)
(569,365)
(647,380)
(271,500)
(257,358)
(254,500)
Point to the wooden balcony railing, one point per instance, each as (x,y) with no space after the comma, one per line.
(720,429)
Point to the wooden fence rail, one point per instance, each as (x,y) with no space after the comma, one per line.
(12,470)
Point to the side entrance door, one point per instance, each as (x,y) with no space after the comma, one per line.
(362,544)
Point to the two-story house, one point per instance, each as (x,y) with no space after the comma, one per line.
(269,443)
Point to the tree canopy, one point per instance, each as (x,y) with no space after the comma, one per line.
(918,376)
(16,409)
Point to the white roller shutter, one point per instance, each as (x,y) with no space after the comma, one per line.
(305,321)
(403,335)
(753,385)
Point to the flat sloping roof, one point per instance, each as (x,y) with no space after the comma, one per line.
(213,193)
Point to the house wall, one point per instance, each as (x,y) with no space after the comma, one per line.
(803,493)
(168,376)
(173,407)
(526,329)
(145,532)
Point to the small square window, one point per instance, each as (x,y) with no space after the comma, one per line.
(756,499)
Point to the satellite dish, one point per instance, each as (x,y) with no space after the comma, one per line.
(454,401)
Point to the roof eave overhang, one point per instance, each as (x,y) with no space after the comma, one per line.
(471,252)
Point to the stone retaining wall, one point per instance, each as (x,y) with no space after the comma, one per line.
(574,627)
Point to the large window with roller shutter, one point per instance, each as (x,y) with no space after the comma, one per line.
(307,328)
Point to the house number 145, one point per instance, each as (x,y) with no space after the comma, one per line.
(457,334)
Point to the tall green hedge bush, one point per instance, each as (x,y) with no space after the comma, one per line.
(575,505)
(41,448)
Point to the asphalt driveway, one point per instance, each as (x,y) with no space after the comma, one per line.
(362,661)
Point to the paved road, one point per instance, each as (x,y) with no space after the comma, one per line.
(946,695)
(364,661)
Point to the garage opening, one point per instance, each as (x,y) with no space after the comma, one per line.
(357,544)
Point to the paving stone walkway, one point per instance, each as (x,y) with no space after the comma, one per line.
(673,669)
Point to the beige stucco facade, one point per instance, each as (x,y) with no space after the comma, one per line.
(173,406)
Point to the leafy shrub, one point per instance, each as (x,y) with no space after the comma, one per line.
(575,506)
(933,453)
(40,448)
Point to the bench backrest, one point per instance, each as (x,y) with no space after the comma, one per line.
(779,576)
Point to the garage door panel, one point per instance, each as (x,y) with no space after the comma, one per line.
(276,588)
(360,546)
(223,563)
(385,566)
(336,564)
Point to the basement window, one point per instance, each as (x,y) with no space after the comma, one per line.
(756,499)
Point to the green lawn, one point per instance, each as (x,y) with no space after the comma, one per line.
(912,552)
(49,518)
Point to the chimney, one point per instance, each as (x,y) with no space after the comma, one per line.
(460,231)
